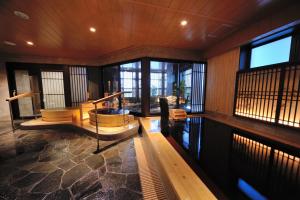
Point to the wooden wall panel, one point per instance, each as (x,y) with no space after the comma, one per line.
(221,72)
(4,109)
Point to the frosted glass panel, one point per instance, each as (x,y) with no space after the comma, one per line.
(271,53)
(23,86)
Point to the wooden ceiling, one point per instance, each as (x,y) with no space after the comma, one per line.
(60,28)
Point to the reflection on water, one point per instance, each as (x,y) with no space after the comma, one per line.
(241,166)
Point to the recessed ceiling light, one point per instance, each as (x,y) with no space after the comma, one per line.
(21,15)
(183,23)
(92,29)
(9,43)
(29,43)
(211,36)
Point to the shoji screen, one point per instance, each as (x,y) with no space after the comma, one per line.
(78,83)
(198,87)
(269,94)
(53,89)
(290,102)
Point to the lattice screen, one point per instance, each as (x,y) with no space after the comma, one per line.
(269,94)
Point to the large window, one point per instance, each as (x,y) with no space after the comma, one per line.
(181,83)
(130,77)
(271,53)
(185,88)
(162,84)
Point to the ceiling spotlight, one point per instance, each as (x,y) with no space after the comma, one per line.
(9,43)
(183,23)
(92,29)
(21,15)
(29,43)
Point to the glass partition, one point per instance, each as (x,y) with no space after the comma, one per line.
(130,78)
(163,83)
(110,80)
(185,87)
(183,84)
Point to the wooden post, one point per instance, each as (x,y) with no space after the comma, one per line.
(97,130)
(11,117)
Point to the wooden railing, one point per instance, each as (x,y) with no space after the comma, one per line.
(108,97)
(27,94)
(95,104)
(16,97)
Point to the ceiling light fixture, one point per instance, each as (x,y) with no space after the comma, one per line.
(183,23)
(9,43)
(29,43)
(92,29)
(21,15)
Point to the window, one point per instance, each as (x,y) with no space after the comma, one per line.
(271,53)
(130,77)
(185,86)
(162,84)
(181,83)
(270,93)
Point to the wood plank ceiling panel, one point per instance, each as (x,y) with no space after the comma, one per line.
(60,28)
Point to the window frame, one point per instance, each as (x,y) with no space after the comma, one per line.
(246,50)
(269,42)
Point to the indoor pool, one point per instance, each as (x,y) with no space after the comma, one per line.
(237,164)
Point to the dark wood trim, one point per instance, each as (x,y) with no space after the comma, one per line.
(155,59)
(67,86)
(145,100)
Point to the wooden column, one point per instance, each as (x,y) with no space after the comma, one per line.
(145,104)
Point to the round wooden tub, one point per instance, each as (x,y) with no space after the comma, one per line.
(110,117)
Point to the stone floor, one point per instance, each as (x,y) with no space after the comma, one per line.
(60,164)
(5,126)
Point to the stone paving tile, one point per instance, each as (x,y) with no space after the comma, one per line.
(112,181)
(31,196)
(109,195)
(44,167)
(95,161)
(90,190)
(50,183)
(124,193)
(66,164)
(29,180)
(7,192)
(102,171)
(60,164)
(59,194)
(73,175)
(79,187)
(133,182)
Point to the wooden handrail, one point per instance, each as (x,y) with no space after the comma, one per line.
(108,97)
(26,94)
